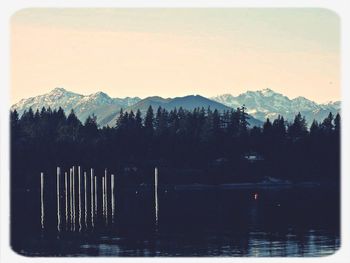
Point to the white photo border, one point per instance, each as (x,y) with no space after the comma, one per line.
(9,7)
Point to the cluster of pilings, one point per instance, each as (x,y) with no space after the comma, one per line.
(81,196)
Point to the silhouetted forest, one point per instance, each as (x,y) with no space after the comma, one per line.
(199,146)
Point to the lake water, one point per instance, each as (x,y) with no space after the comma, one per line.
(239,220)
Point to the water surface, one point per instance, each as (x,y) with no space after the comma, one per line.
(241,220)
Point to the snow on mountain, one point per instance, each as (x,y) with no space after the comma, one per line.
(107,109)
(334,104)
(260,105)
(58,97)
(267,103)
(98,103)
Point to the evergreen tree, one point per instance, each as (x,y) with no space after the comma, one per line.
(279,127)
(173,121)
(119,121)
(267,128)
(71,130)
(243,120)
(327,124)
(149,121)
(314,129)
(131,122)
(337,123)
(14,119)
(61,116)
(90,130)
(298,129)
(14,125)
(138,120)
(216,122)
(27,123)
(233,126)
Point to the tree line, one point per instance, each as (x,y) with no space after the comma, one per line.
(217,143)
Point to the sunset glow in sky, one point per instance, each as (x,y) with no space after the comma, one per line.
(176,52)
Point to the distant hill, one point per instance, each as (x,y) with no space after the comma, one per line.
(187,102)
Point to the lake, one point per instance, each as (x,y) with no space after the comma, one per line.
(254,220)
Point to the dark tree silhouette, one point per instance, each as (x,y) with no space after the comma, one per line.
(216,143)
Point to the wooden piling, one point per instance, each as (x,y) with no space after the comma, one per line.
(71,196)
(42,199)
(106,194)
(79,197)
(73,186)
(92,195)
(156,193)
(66,193)
(112,196)
(58,199)
(95,195)
(103,195)
(85,191)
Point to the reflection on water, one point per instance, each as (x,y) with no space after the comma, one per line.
(258,245)
(192,221)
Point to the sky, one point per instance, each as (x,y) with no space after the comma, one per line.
(176,52)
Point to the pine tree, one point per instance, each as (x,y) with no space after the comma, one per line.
(119,120)
(337,123)
(90,129)
(149,121)
(233,126)
(243,120)
(267,128)
(173,121)
(314,128)
(279,127)
(72,128)
(138,120)
(327,124)
(131,122)
(216,122)
(14,124)
(298,128)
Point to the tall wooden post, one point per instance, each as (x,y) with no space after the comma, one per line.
(42,199)
(71,196)
(106,194)
(92,195)
(85,191)
(73,193)
(58,199)
(95,195)
(112,196)
(156,192)
(103,196)
(66,193)
(79,197)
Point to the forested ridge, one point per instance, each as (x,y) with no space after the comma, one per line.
(217,144)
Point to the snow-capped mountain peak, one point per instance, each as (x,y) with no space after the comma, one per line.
(99,103)
(267,103)
(58,90)
(56,98)
(259,104)
(98,98)
(267,92)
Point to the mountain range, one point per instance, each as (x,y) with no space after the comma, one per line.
(260,105)
(267,103)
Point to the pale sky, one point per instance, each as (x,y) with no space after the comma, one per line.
(176,52)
